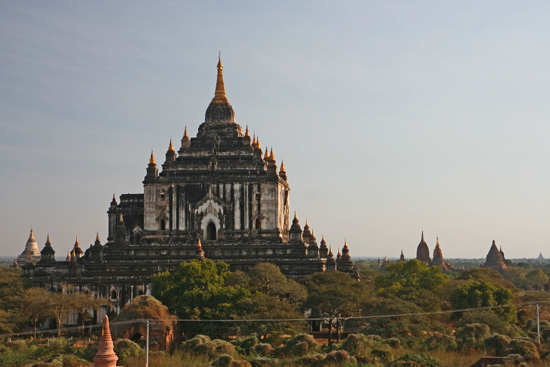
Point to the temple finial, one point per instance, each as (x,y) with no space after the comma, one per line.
(283,166)
(152,159)
(266,155)
(247,134)
(219,95)
(185,133)
(171,147)
(97,236)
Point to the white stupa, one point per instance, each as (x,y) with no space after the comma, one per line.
(31,253)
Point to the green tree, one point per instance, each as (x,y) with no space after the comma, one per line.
(484,294)
(410,274)
(537,279)
(267,279)
(486,275)
(34,304)
(266,307)
(398,319)
(198,290)
(334,295)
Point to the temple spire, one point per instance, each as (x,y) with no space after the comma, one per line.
(152,159)
(219,95)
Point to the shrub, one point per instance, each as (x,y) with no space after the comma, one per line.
(498,343)
(246,344)
(393,342)
(300,345)
(125,348)
(191,343)
(222,361)
(214,348)
(382,355)
(338,357)
(17,345)
(299,349)
(523,347)
(513,360)
(471,336)
(263,349)
(239,364)
(416,360)
(440,341)
(263,362)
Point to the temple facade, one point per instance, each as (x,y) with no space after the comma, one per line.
(219,196)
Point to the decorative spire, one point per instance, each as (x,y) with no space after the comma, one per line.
(219,95)
(345,244)
(171,147)
(266,156)
(114,199)
(68,256)
(199,246)
(76,244)
(96,236)
(185,133)
(283,166)
(152,159)
(31,236)
(295,217)
(48,238)
(247,134)
(272,156)
(258,146)
(330,250)
(105,356)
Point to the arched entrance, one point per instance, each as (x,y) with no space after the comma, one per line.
(211,232)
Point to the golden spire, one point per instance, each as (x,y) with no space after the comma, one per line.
(97,236)
(152,159)
(114,199)
(283,166)
(171,147)
(330,249)
(199,246)
(219,95)
(272,156)
(254,141)
(295,215)
(247,134)
(185,133)
(68,256)
(266,156)
(76,244)
(73,254)
(48,238)
(258,146)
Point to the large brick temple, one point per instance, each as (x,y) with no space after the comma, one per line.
(219,196)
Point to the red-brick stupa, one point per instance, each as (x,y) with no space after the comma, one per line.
(105,356)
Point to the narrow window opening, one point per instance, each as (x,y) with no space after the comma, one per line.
(211,232)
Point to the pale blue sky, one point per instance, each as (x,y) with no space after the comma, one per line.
(392,117)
